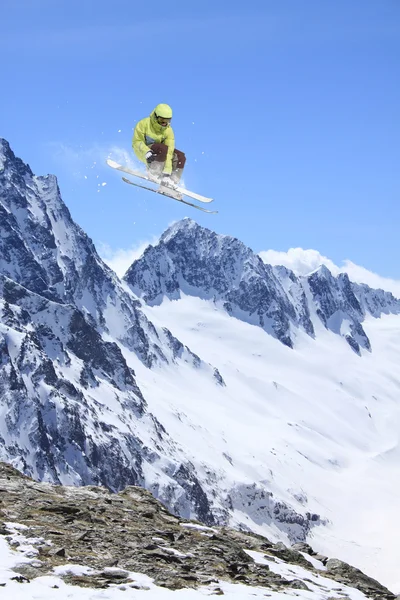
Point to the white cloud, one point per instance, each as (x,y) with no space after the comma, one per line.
(303,262)
(298,260)
(120,259)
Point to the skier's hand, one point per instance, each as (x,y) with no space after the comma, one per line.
(150,156)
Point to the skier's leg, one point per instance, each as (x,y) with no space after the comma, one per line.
(178,163)
(160,150)
(156,168)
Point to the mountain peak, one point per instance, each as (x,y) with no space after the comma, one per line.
(8,160)
(4,146)
(322,272)
(185,226)
(197,261)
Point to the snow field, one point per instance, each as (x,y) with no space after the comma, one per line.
(318,426)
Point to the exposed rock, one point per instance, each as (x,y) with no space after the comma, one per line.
(113,535)
(288,555)
(303,547)
(263,508)
(344,573)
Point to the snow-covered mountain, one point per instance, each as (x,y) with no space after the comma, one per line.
(235,391)
(71,408)
(193,260)
(311,413)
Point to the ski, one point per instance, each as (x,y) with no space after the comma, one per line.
(184,191)
(158,191)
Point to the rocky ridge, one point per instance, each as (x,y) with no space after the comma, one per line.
(113,535)
(190,259)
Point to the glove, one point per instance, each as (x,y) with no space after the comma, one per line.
(150,156)
(167,181)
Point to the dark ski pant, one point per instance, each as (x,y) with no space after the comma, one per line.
(178,161)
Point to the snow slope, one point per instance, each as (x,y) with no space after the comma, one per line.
(317,426)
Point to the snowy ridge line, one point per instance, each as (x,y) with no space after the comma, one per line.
(193,260)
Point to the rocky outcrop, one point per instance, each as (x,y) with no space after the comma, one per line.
(112,535)
(344,573)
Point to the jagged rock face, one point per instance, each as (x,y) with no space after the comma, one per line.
(264,508)
(338,307)
(113,535)
(375,302)
(294,290)
(53,372)
(193,260)
(42,249)
(343,305)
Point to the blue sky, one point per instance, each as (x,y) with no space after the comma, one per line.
(288,113)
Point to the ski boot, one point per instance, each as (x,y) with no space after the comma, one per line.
(169,187)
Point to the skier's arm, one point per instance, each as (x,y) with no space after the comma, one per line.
(170,142)
(139,140)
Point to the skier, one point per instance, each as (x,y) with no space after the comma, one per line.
(154,144)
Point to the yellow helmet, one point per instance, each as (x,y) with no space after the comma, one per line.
(164,111)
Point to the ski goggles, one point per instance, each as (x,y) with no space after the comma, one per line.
(163,121)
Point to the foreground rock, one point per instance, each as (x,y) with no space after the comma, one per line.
(115,534)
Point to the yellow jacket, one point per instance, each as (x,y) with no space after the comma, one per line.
(148,132)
